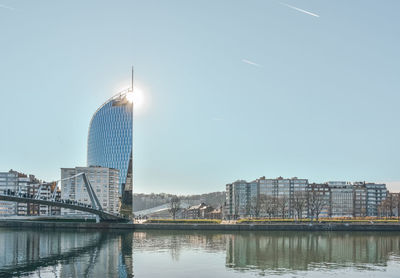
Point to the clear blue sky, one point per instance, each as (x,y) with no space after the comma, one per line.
(234,89)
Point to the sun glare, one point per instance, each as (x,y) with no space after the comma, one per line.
(136,97)
(129,97)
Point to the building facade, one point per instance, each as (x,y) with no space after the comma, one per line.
(342,199)
(105,183)
(200,211)
(240,195)
(16,183)
(8,183)
(360,200)
(294,198)
(46,192)
(320,195)
(110,140)
(376,193)
(283,191)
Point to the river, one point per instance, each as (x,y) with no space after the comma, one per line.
(206,254)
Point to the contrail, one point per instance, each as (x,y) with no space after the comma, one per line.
(251,63)
(300,10)
(7,7)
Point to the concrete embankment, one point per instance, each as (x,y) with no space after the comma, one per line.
(202,227)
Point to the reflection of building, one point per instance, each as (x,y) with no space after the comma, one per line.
(82,254)
(103,262)
(105,183)
(110,140)
(285,251)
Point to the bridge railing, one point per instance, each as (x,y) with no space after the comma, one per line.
(56,200)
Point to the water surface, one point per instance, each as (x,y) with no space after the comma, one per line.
(55,253)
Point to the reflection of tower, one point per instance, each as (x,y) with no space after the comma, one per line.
(126,253)
(110,140)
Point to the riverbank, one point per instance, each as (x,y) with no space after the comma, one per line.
(207,227)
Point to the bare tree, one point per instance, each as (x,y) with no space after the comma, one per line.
(268,205)
(391,204)
(299,203)
(174,206)
(316,203)
(275,206)
(385,208)
(236,207)
(255,206)
(397,202)
(282,205)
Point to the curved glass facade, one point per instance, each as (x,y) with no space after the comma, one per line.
(110,138)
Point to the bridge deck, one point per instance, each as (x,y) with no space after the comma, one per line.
(105,216)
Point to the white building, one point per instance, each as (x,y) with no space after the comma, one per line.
(105,183)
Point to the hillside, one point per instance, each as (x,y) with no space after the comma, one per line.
(143,201)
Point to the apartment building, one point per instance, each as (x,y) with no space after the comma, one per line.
(104,181)
(342,196)
(13,182)
(239,197)
(283,190)
(280,197)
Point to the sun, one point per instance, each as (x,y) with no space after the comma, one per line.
(136,97)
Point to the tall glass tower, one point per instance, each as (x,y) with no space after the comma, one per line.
(110,140)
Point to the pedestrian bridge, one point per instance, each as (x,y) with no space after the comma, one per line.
(95,208)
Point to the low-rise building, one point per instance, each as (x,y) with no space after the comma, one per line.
(216,213)
(200,211)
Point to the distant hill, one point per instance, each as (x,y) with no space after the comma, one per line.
(143,201)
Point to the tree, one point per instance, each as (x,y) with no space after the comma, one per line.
(255,206)
(282,205)
(174,206)
(316,203)
(268,205)
(236,206)
(299,203)
(397,204)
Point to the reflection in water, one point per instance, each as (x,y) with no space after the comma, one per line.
(283,251)
(50,253)
(65,254)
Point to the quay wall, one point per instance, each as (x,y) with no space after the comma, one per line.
(200,227)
